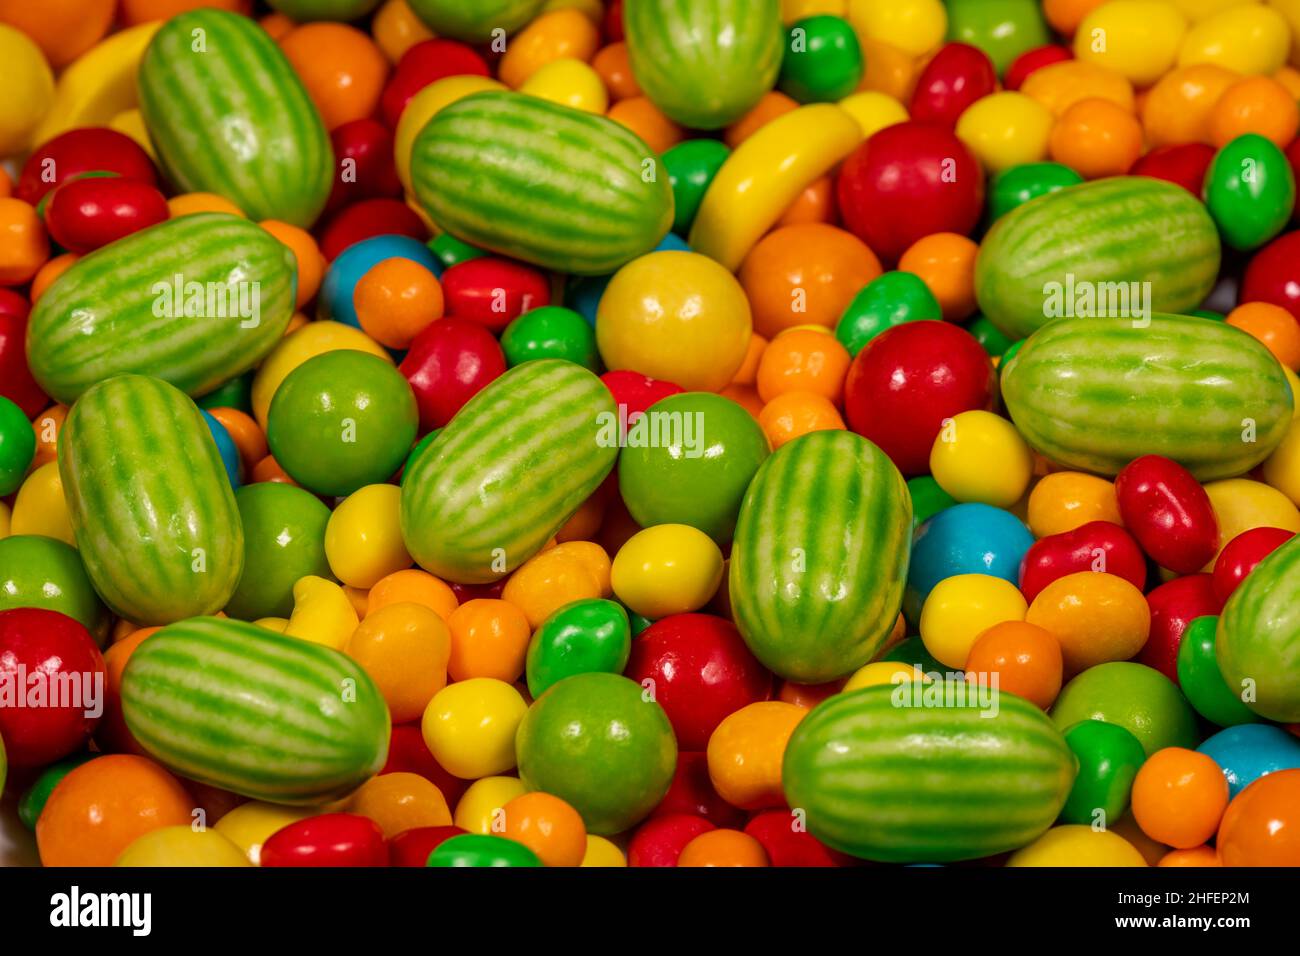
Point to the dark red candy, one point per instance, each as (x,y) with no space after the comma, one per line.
(1183,165)
(1174,605)
(85,214)
(471,592)
(447,364)
(494,292)
(1101,546)
(369,218)
(637,392)
(613,22)
(907,380)
(412,847)
(1240,555)
(692,792)
(363,159)
(1168,512)
(660,840)
(957,76)
(79,151)
(331,839)
(16,382)
(423,63)
(408,753)
(788,842)
(1029,61)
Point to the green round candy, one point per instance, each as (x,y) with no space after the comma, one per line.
(1208,314)
(1201,680)
(1003,29)
(480,849)
(1019,184)
(599,742)
(886,301)
(341,421)
(989,336)
(928,499)
(36,571)
(1250,191)
(691,166)
(1009,354)
(584,637)
(284,540)
(420,446)
(451,251)
(823,60)
(236,393)
(912,651)
(551,332)
(1138,698)
(689,461)
(1109,758)
(638,622)
(32,802)
(17,446)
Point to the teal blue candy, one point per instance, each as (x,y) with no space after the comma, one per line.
(587,636)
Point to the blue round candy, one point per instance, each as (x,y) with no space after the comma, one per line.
(335,299)
(964,539)
(1248,751)
(225,445)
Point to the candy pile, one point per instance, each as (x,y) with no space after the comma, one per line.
(651,433)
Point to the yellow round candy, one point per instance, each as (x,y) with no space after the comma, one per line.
(40,508)
(913,26)
(873,110)
(979,456)
(675,316)
(322,613)
(5,520)
(363,539)
(482,807)
(1136,38)
(1290,9)
(1241,504)
(570,83)
(1293,380)
(667,569)
(1078,845)
(249,825)
(29,90)
(314,338)
(1197,10)
(470,725)
(962,607)
(1282,469)
(277,624)
(1006,129)
(1250,39)
(131,123)
(883,672)
(601,852)
(182,846)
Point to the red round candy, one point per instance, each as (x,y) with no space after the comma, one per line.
(1183,165)
(660,840)
(702,672)
(369,218)
(613,23)
(788,844)
(1029,61)
(907,380)
(85,214)
(363,156)
(332,839)
(957,76)
(412,847)
(1168,512)
(637,392)
(1174,605)
(1095,546)
(90,149)
(447,364)
(908,181)
(408,753)
(56,679)
(423,63)
(16,382)
(692,792)
(1240,555)
(1274,274)
(493,292)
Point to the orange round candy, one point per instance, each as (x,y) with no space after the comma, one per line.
(548,581)
(311,263)
(1026,659)
(100,807)
(1065,500)
(803,360)
(945,261)
(1272,325)
(791,414)
(558,35)
(187,204)
(63,29)
(401,801)
(112,735)
(548,826)
(642,117)
(723,848)
(1179,797)
(805,275)
(584,523)
(1064,16)
(771,106)
(244,432)
(1061,85)
(746,396)
(404,648)
(412,584)
(815,204)
(1261,826)
(808,696)
(142,11)
(1195,856)
(1255,104)
(47,426)
(49,272)
(341,67)
(395,300)
(1179,106)
(1095,617)
(489,638)
(268,469)
(614,68)
(745,753)
(24,246)
(888,69)
(747,374)
(1096,138)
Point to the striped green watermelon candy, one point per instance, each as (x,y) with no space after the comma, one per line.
(1096,393)
(303,11)
(474,21)
(820,556)
(541,182)
(889,773)
(150,501)
(1045,258)
(508,470)
(266,716)
(229,115)
(1258,641)
(705,63)
(194,301)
